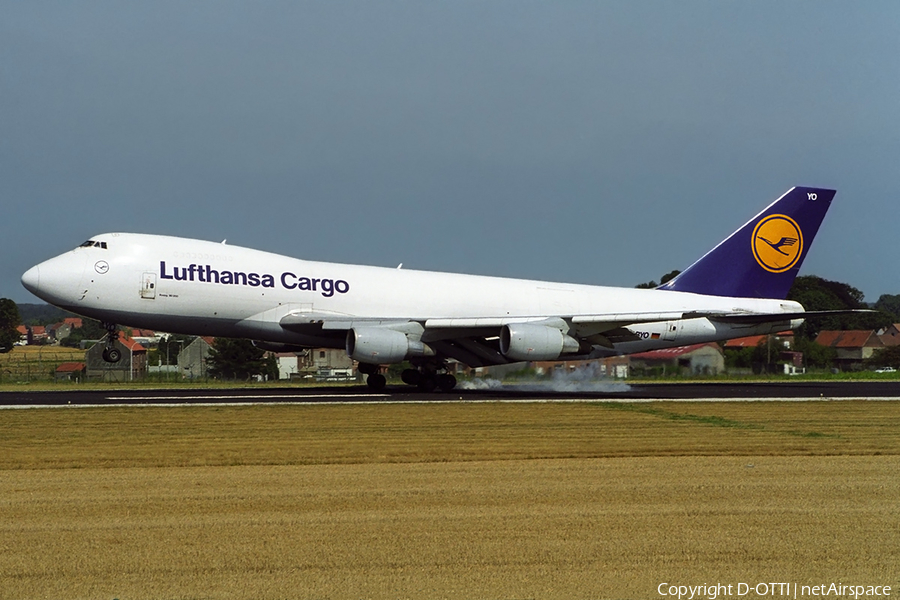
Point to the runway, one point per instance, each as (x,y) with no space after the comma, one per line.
(593,392)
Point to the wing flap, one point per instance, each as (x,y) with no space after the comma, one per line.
(333,322)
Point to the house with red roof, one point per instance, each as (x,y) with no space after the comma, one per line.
(58,331)
(146,337)
(852,346)
(71,371)
(38,334)
(780,341)
(132,365)
(777,347)
(890,336)
(696,359)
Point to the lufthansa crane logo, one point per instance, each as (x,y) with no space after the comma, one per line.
(777,243)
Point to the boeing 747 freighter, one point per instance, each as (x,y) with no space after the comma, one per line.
(383,315)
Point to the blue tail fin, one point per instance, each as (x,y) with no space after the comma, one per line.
(761,259)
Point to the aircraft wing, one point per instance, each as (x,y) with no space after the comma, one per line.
(447,328)
(477,341)
(597,323)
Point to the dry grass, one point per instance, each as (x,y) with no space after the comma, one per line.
(35,363)
(376,433)
(445,501)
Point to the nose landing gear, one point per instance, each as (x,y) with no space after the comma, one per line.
(111,354)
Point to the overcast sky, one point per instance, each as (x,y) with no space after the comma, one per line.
(588,142)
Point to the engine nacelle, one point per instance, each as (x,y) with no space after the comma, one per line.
(528,341)
(379,346)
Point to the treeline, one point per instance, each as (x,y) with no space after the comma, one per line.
(816,293)
(41,314)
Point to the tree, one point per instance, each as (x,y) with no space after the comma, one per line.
(746,358)
(169,348)
(884,357)
(669,276)
(42,314)
(815,355)
(89,330)
(236,359)
(9,320)
(664,279)
(271,367)
(890,304)
(815,293)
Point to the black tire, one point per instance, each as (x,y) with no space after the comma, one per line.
(411,376)
(427,383)
(376,382)
(367,368)
(112,355)
(446,382)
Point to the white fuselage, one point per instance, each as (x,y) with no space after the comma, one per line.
(203,288)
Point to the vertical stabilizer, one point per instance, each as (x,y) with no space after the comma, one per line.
(762,258)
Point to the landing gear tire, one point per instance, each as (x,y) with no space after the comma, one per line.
(367,368)
(112,355)
(376,382)
(427,383)
(411,376)
(446,382)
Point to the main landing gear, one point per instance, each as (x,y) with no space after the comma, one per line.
(374,379)
(426,378)
(111,354)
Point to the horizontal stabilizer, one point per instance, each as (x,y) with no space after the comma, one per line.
(757,318)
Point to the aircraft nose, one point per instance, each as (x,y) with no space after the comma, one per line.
(31,279)
(58,280)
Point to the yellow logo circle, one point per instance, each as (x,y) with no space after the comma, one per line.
(777,243)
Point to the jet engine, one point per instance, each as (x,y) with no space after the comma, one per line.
(378,345)
(529,341)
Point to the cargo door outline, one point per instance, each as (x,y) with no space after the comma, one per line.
(148,286)
(672,328)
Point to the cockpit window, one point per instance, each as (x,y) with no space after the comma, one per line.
(90,243)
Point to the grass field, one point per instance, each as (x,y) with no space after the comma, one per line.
(601,500)
(35,363)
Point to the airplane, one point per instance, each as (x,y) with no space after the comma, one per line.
(383,316)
